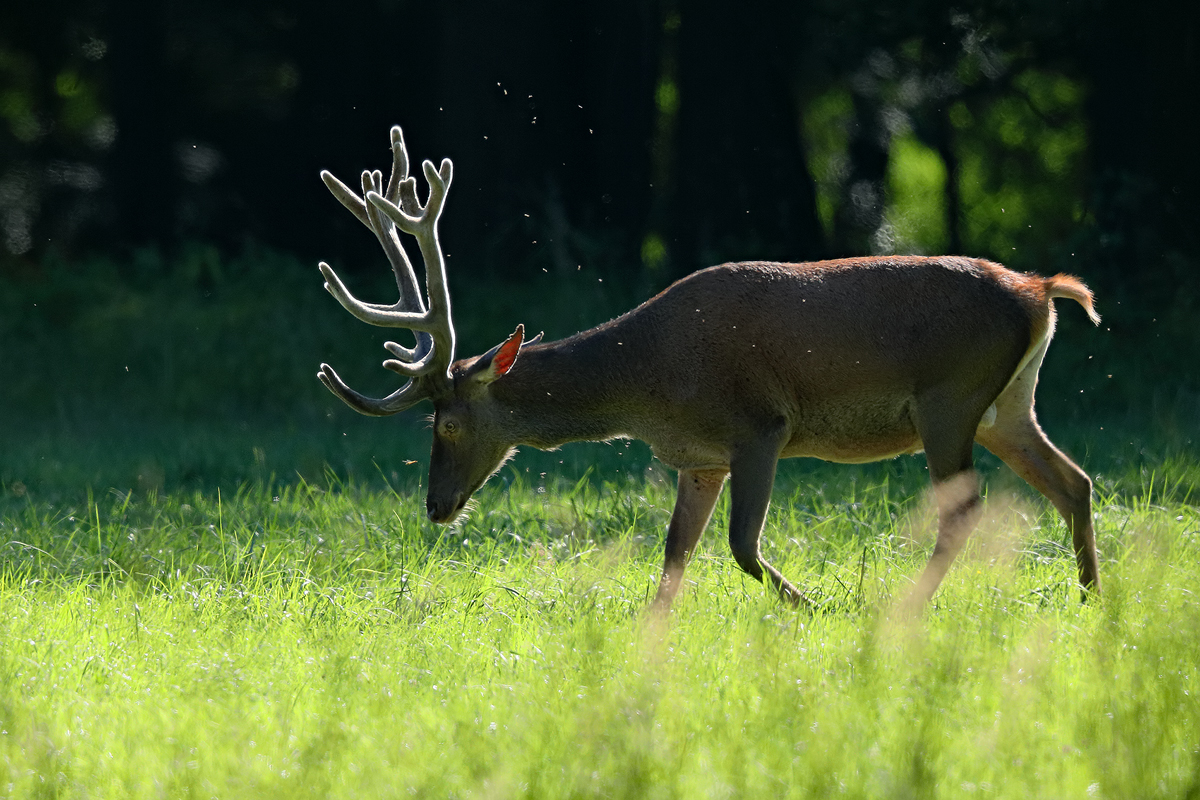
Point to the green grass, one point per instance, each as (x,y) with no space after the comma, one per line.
(320,639)
(216,581)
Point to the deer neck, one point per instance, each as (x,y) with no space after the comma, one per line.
(566,391)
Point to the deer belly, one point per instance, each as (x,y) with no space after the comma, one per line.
(854,433)
(690,455)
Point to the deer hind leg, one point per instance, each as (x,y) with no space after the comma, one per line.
(1018,441)
(946,433)
(698,493)
(751,477)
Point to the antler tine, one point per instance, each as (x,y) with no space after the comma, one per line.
(399,163)
(406,354)
(407,194)
(413,369)
(407,396)
(385,316)
(346,197)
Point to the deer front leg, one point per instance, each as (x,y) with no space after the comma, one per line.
(698,493)
(751,477)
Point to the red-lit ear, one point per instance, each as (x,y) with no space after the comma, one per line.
(506,356)
(499,360)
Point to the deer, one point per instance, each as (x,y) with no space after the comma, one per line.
(731,369)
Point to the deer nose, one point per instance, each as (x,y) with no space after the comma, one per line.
(442,511)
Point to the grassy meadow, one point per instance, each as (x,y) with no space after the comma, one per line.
(217,582)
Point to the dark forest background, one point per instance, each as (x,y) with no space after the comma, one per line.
(667,136)
(161,215)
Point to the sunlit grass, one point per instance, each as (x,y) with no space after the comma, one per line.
(322,640)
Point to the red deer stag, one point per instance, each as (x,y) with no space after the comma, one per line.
(731,369)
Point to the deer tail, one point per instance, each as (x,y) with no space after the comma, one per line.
(1071,287)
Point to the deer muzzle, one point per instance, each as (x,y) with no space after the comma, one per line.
(444,510)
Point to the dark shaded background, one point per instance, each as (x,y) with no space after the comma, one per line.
(159,160)
(137,122)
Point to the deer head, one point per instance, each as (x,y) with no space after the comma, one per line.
(467,446)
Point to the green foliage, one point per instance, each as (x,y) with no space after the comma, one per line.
(826,119)
(18,78)
(206,336)
(1019,143)
(1023,167)
(917,192)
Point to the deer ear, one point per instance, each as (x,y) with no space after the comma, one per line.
(499,360)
